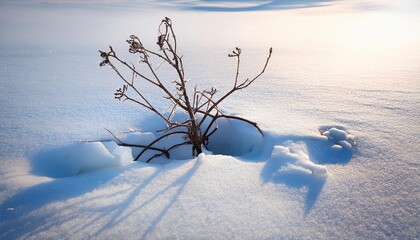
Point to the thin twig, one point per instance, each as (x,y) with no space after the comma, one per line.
(203,107)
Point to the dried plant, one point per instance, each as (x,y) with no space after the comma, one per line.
(201,107)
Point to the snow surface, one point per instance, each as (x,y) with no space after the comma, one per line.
(338,106)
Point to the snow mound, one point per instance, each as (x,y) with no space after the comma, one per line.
(81,157)
(293,158)
(340,138)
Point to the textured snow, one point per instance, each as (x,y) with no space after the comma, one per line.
(338,106)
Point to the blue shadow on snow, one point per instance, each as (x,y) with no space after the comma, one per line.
(33,198)
(27,203)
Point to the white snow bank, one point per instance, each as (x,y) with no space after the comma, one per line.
(89,156)
(81,157)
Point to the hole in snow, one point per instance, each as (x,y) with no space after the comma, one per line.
(235,138)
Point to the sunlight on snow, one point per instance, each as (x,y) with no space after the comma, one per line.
(338,105)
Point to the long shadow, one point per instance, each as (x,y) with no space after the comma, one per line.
(26,217)
(28,201)
(121,207)
(122,213)
(181,182)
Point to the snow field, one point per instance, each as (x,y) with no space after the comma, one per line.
(352,71)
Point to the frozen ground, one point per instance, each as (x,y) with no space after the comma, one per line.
(338,106)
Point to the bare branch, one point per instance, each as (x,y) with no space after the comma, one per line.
(167,151)
(240,86)
(157,140)
(123,144)
(203,106)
